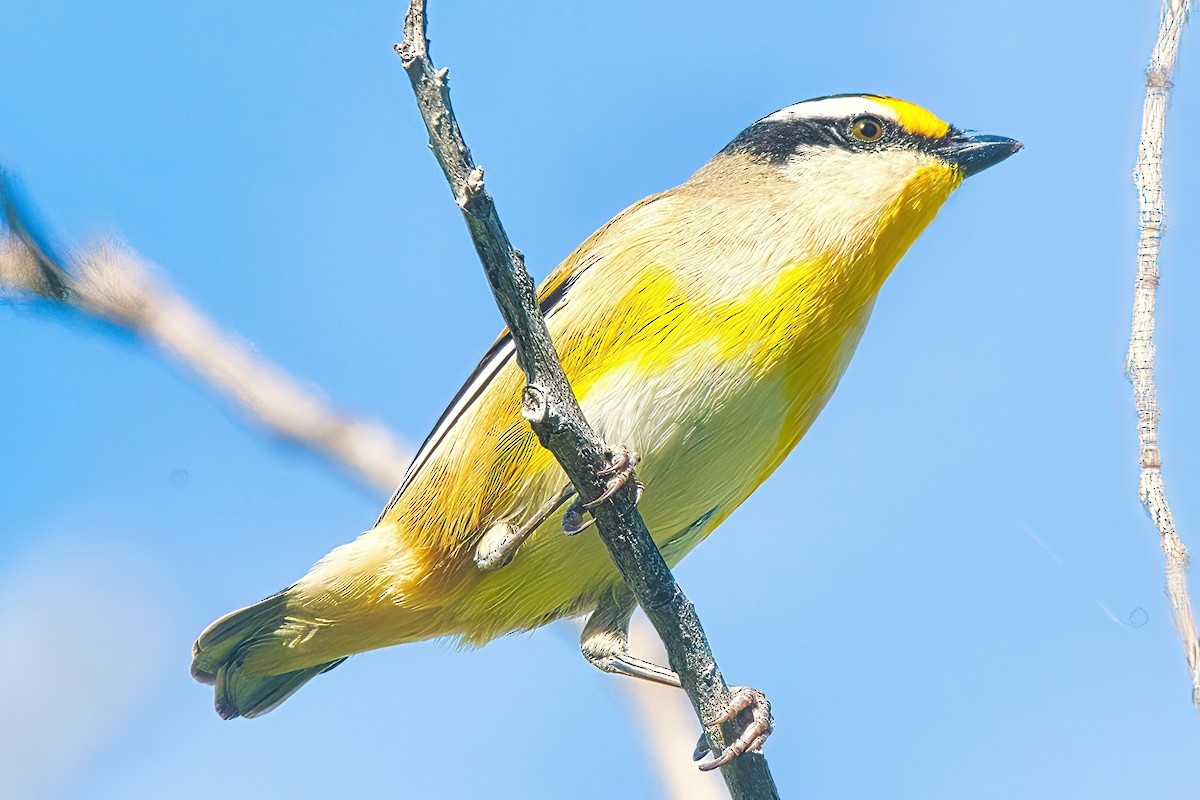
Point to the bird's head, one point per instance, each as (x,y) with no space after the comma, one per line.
(856,171)
(870,130)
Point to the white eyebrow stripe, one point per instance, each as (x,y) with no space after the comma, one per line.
(833,108)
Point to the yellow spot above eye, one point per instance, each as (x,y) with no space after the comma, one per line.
(913,118)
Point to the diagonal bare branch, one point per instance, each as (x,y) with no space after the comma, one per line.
(554,413)
(1139,363)
(111,283)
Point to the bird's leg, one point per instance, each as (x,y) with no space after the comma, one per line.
(605,643)
(621,472)
(499,544)
(605,640)
(752,737)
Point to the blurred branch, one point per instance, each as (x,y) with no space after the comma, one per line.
(110,282)
(554,414)
(1139,364)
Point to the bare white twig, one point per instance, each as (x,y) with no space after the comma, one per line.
(112,283)
(1139,363)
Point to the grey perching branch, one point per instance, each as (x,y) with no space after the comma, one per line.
(112,283)
(1139,363)
(552,410)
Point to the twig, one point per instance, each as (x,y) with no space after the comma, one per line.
(113,284)
(554,413)
(1139,363)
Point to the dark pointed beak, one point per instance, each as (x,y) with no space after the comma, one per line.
(975,153)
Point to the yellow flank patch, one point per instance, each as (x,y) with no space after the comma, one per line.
(914,118)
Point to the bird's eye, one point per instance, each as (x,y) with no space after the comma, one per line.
(866,129)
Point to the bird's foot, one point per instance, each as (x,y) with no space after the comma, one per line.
(619,472)
(573,521)
(753,736)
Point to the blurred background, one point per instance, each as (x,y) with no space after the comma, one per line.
(955,591)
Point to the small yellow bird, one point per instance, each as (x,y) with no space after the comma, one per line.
(704,328)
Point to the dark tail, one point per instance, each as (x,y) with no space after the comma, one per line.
(219,653)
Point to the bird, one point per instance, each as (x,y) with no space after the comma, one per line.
(703,328)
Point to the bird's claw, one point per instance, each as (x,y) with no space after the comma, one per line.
(621,472)
(573,521)
(753,736)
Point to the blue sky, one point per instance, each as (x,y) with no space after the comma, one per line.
(916,639)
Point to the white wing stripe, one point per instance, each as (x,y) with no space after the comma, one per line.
(468,396)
